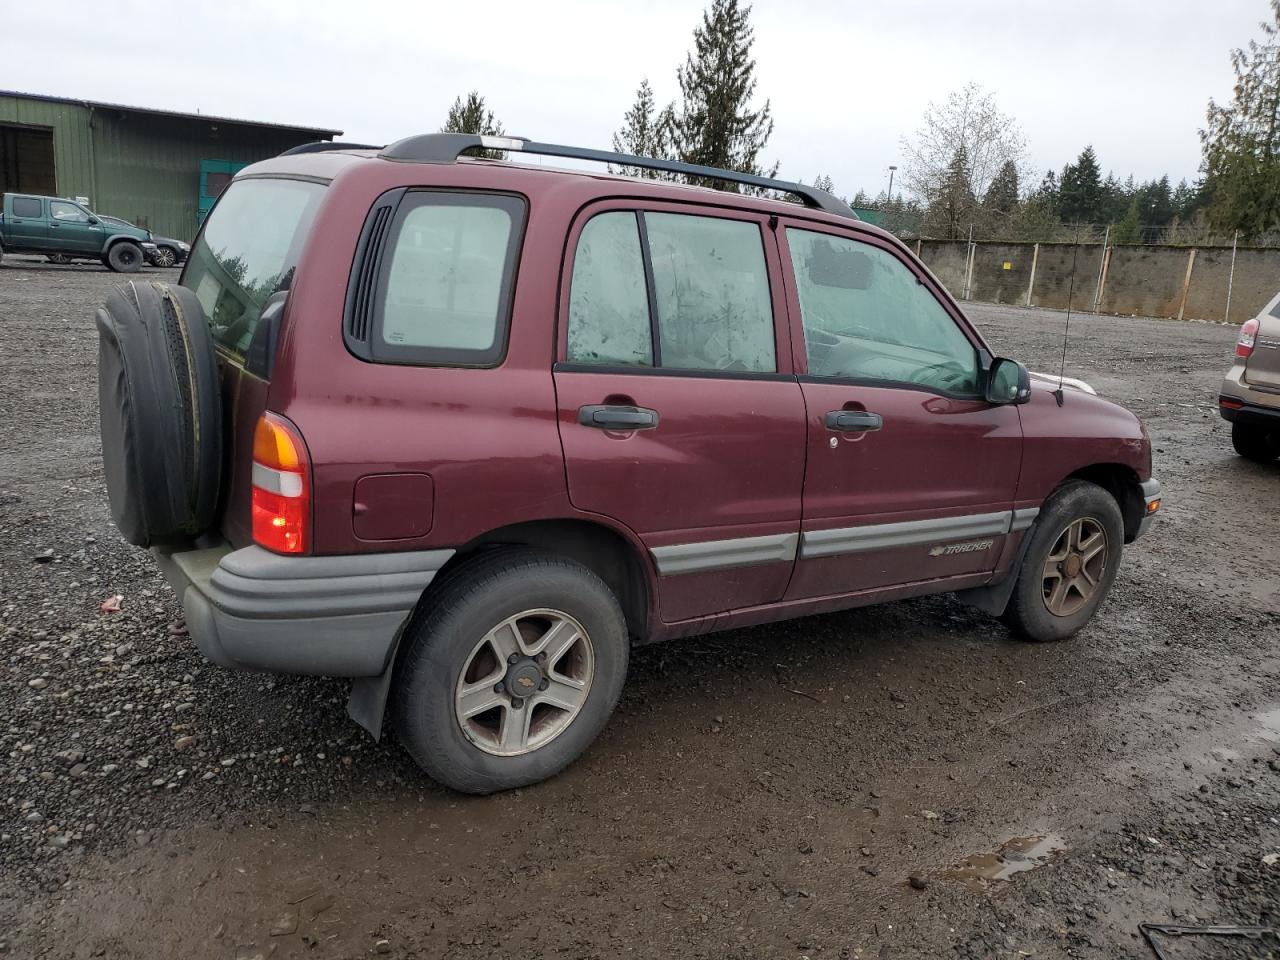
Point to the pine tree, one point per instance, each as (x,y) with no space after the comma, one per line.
(471,116)
(646,132)
(1241,140)
(951,210)
(1001,197)
(1129,230)
(715,124)
(1080,189)
(824,182)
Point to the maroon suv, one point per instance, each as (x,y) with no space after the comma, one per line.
(465,430)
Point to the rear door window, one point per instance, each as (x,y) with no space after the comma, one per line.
(28,208)
(248,251)
(672,291)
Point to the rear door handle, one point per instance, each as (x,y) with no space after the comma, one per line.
(605,417)
(854,421)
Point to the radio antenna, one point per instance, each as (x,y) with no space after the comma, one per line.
(1071,289)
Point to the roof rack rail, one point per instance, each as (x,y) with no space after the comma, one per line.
(447,147)
(321,146)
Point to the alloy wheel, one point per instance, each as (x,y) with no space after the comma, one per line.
(524,683)
(1074,568)
(165,257)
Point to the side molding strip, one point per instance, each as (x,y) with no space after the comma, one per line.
(886,536)
(781,548)
(719,554)
(1022,519)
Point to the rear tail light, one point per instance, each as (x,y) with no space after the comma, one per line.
(281,501)
(1248,334)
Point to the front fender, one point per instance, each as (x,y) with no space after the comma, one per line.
(1086,431)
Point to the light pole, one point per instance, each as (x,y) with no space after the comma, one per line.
(891,169)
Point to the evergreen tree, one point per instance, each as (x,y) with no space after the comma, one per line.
(823,182)
(471,116)
(646,132)
(715,124)
(1129,230)
(1241,140)
(1080,190)
(952,209)
(1001,197)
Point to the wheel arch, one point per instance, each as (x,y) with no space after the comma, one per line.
(1121,481)
(613,556)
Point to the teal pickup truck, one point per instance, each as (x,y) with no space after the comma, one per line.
(63,230)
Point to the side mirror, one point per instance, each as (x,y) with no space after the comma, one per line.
(93,221)
(1007,382)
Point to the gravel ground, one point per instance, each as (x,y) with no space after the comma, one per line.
(828,787)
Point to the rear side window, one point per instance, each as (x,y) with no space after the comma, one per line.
(712,291)
(673,291)
(247,251)
(446,288)
(27,207)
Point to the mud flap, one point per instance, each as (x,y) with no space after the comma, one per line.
(367,702)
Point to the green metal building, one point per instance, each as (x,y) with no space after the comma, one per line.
(158,169)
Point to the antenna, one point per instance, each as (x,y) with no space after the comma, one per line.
(1071,289)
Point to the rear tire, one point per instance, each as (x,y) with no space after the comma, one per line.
(1061,583)
(125,257)
(457,653)
(1255,443)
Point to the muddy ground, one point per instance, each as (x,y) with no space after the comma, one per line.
(760,793)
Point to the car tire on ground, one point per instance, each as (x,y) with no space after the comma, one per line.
(1070,564)
(59,258)
(1254,442)
(160,412)
(124,257)
(165,257)
(478,640)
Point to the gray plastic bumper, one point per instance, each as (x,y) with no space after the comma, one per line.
(331,616)
(1150,493)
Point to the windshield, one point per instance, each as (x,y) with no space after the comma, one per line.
(248,251)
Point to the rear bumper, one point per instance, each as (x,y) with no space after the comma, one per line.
(1237,411)
(1150,495)
(330,616)
(1242,402)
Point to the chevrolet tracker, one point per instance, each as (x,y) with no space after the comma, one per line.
(465,430)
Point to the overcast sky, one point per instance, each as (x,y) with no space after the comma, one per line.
(847,80)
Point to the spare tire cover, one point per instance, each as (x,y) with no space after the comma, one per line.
(160,413)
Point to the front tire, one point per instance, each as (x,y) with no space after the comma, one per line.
(517,620)
(1070,564)
(59,258)
(165,257)
(125,257)
(1254,442)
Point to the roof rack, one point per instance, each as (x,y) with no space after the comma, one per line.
(447,147)
(321,146)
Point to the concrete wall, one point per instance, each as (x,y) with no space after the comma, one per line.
(1139,280)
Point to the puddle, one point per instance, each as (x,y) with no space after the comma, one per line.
(1019,854)
(1269,724)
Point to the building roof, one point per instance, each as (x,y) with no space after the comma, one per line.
(319,132)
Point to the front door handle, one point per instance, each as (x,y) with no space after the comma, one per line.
(609,417)
(854,421)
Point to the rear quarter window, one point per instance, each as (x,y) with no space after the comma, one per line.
(248,251)
(445,279)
